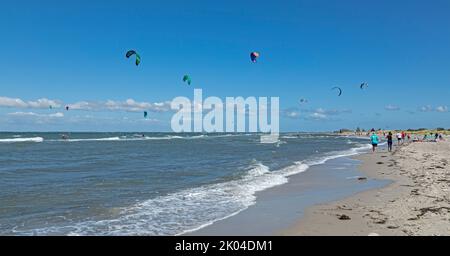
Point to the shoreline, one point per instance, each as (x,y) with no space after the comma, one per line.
(416,202)
(279,207)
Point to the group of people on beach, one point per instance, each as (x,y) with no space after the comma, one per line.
(401,138)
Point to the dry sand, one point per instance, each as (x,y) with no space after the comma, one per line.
(417,202)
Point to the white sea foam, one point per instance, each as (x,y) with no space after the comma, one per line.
(184,211)
(289,137)
(93,139)
(333,155)
(15,140)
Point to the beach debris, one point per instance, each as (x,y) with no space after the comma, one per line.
(380,221)
(131,53)
(373,234)
(187,79)
(362,85)
(254,56)
(392,227)
(344,207)
(343,217)
(415,192)
(362,178)
(380,163)
(435,210)
(337,88)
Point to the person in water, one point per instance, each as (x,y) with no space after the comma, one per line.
(375,140)
(389,141)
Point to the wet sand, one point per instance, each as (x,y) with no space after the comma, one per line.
(280,207)
(417,202)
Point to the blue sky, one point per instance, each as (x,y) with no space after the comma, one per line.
(73,53)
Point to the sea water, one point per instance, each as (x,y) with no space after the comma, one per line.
(146,183)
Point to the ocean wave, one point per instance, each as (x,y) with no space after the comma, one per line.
(139,137)
(184,211)
(289,137)
(92,139)
(361,148)
(15,140)
(121,138)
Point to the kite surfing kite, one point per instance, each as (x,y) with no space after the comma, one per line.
(145,114)
(340,90)
(362,85)
(133,52)
(187,79)
(254,56)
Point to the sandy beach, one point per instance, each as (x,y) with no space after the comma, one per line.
(417,202)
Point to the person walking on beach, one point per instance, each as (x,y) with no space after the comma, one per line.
(389,141)
(399,138)
(374,139)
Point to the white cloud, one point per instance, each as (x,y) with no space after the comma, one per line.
(426,108)
(58,114)
(442,109)
(314,114)
(32,114)
(318,116)
(44,103)
(292,114)
(19,103)
(392,108)
(129,105)
(429,108)
(83,105)
(10,102)
(332,111)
